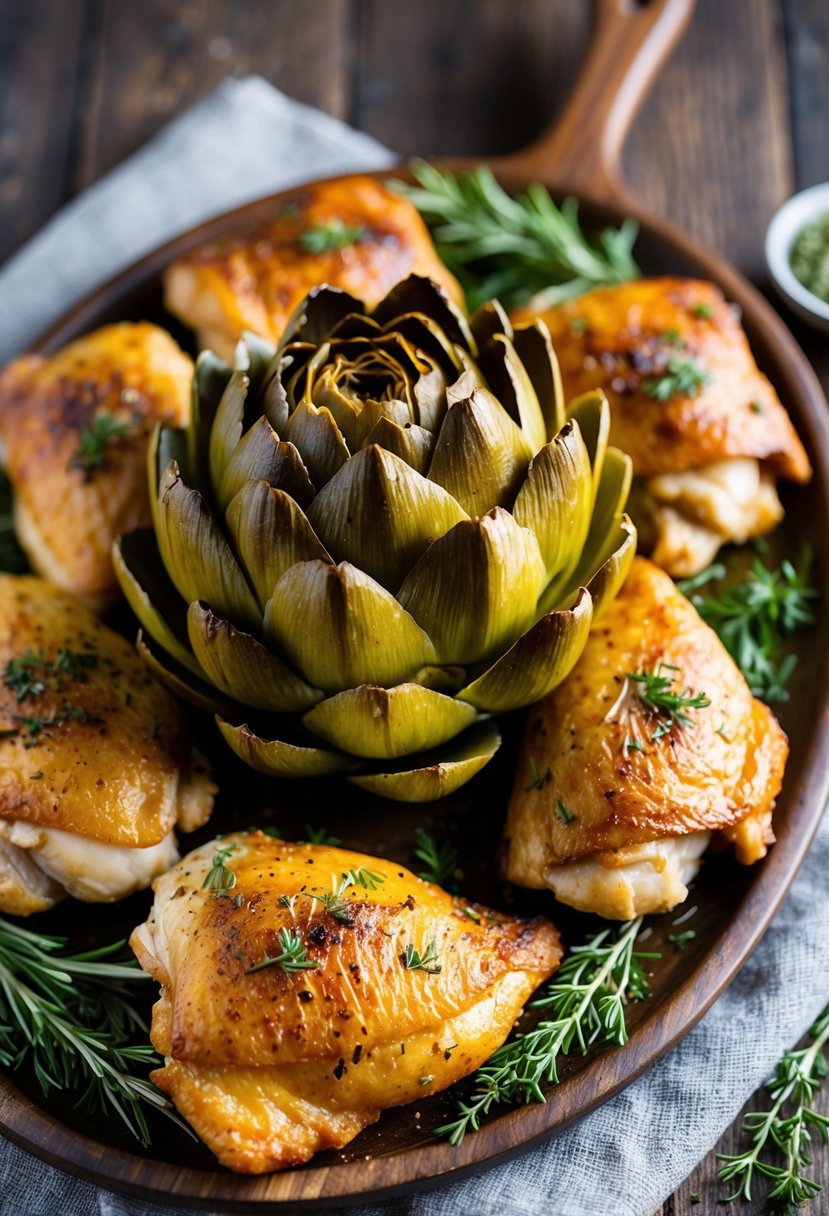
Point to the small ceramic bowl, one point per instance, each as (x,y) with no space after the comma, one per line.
(801,209)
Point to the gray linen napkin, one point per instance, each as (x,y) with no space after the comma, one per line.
(629,1155)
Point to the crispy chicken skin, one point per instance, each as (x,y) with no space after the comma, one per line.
(96,763)
(256,280)
(67,515)
(632,800)
(706,460)
(271,1067)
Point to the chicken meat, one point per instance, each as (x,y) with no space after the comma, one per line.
(74,429)
(615,799)
(705,429)
(96,762)
(352,233)
(391,989)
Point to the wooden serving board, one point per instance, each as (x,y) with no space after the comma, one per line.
(734,905)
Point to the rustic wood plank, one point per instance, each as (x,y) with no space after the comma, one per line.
(806,25)
(711,148)
(40,48)
(158,57)
(460,77)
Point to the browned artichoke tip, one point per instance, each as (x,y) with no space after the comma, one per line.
(376,535)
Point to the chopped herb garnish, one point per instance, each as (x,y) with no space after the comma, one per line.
(566,814)
(756,617)
(537,779)
(293,955)
(704,311)
(425,1080)
(321,836)
(32,674)
(413,961)
(36,726)
(36,776)
(672,337)
(681,940)
(335,902)
(288,901)
(757,407)
(683,375)
(655,691)
(220,879)
(330,237)
(633,745)
(472,914)
(440,861)
(92,444)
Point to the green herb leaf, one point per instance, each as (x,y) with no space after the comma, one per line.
(330,237)
(32,674)
(321,836)
(93,440)
(293,956)
(655,691)
(587,1001)
(413,961)
(683,939)
(440,861)
(683,375)
(513,249)
(538,779)
(704,311)
(755,618)
(220,879)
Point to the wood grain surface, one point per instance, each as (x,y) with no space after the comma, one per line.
(739,119)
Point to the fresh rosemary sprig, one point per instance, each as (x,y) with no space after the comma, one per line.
(330,237)
(439,861)
(12,558)
(656,692)
(515,248)
(93,439)
(587,1001)
(293,955)
(220,879)
(412,959)
(793,1088)
(682,375)
(756,617)
(320,836)
(71,1016)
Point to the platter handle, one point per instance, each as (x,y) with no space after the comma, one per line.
(630,42)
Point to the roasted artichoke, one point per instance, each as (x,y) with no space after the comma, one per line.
(376,536)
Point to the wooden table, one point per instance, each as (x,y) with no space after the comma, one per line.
(738,121)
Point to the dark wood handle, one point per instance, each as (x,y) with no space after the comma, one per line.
(629,44)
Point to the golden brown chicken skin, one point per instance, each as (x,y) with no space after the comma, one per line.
(272,1065)
(96,762)
(707,442)
(352,233)
(613,802)
(69,507)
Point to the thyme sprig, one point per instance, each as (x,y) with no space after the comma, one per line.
(786,1128)
(513,249)
(72,1018)
(439,860)
(220,879)
(293,955)
(587,1001)
(656,691)
(429,962)
(94,439)
(755,618)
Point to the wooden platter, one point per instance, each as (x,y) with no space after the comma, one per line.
(399,1155)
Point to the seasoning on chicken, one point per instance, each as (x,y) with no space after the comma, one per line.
(652,744)
(74,429)
(705,429)
(96,764)
(306,988)
(353,234)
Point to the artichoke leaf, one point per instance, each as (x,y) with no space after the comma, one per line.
(318,439)
(611,574)
(507,377)
(417,294)
(411,443)
(556,498)
(228,425)
(612,494)
(197,557)
(592,413)
(481,456)
(261,456)
(280,759)
(487,321)
(255,356)
(160,610)
(475,589)
(537,663)
(180,682)
(339,628)
(271,534)
(242,667)
(440,773)
(427,337)
(380,514)
(384,723)
(210,380)
(313,319)
(166,444)
(534,347)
